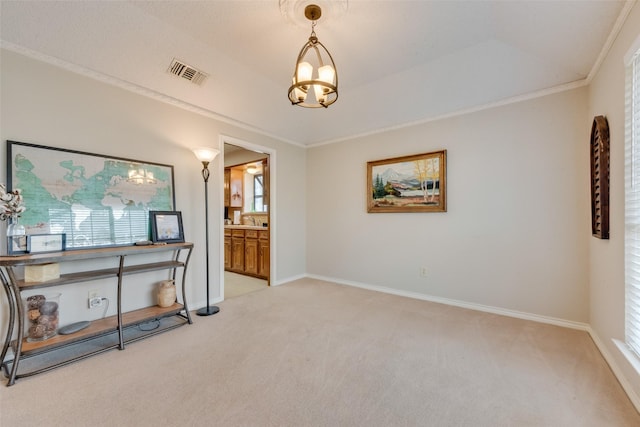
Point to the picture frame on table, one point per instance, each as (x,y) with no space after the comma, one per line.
(16,245)
(166,226)
(42,243)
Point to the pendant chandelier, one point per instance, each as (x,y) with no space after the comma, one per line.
(141,176)
(308,90)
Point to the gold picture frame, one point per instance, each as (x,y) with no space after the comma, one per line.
(415,183)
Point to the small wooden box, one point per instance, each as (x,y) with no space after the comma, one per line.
(41,272)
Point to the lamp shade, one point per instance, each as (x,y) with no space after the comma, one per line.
(326,74)
(205,154)
(305,70)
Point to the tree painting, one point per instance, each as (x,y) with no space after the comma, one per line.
(378,188)
(427,170)
(408,184)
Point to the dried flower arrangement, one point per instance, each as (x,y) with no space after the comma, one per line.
(11,203)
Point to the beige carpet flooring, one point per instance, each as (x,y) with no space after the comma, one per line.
(239,284)
(312,353)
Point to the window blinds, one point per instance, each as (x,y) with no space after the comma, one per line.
(632,205)
(86,227)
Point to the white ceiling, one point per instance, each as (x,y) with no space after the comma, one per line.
(398,61)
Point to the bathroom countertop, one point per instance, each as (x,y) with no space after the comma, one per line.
(247,227)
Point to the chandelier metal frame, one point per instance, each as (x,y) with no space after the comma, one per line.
(325,92)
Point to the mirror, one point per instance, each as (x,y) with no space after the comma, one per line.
(246,183)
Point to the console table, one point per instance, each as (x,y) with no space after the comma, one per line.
(103,334)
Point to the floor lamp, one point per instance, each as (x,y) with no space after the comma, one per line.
(206,155)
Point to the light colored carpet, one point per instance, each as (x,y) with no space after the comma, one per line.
(312,353)
(239,284)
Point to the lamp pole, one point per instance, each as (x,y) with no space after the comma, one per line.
(206,155)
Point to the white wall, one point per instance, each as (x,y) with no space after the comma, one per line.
(46,105)
(240,157)
(516,232)
(606,97)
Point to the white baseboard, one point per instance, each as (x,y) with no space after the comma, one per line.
(635,399)
(463,304)
(289,279)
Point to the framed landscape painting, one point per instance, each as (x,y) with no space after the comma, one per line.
(414,183)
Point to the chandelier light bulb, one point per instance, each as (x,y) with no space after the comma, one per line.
(326,74)
(298,93)
(305,71)
(320,93)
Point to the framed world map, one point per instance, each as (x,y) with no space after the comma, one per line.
(96,200)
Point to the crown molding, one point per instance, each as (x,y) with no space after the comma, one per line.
(139,90)
(512,100)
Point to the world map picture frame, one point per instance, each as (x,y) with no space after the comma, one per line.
(96,200)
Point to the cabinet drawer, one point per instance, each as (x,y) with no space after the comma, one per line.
(237,233)
(263,235)
(227,232)
(251,234)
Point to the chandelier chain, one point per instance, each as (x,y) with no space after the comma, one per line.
(313,36)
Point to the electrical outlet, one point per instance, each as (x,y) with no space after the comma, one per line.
(95,300)
(423,272)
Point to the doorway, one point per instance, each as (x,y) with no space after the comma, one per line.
(247,254)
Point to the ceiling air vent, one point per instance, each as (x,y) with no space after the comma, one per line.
(185,71)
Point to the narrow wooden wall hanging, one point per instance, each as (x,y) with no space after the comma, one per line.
(600,178)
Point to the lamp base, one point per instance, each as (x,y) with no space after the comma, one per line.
(208,311)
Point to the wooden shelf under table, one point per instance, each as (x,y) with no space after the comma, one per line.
(101,326)
(106,273)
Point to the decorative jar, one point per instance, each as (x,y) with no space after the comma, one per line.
(166,293)
(42,316)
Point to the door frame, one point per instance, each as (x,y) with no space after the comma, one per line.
(272,204)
